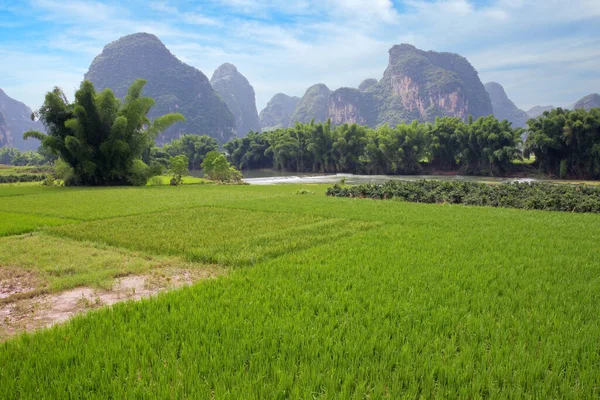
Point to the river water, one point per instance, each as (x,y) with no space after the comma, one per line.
(277,177)
(270,177)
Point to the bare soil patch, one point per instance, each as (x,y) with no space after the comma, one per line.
(43,311)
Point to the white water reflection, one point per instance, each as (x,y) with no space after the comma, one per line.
(359,179)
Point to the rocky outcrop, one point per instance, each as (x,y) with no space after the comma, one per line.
(420,85)
(503,107)
(588,102)
(278,112)
(238,94)
(313,105)
(17,119)
(5,136)
(536,111)
(175,86)
(347,105)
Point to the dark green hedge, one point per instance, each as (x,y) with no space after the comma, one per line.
(21,178)
(530,196)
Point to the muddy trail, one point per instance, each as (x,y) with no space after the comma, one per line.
(31,311)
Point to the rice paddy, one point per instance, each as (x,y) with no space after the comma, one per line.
(323,297)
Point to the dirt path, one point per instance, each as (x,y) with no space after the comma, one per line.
(46,310)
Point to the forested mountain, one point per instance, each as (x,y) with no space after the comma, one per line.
(5,137)
(503,107)
(238,94)
(17,119)
(313,105)
(536,111)
(367,83)
(278,112)
(417,85)
(588,102)
(175,86)
(422,85)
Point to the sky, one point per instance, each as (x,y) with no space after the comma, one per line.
(544,52)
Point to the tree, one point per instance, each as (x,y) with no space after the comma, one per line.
(178,167)
(217,168)
(101,138)
(566,143)
(194,147)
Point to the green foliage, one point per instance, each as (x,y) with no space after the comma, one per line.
(486,146)
(21,178)
(99,137)
(178,168)
(194,147)
(304,191)
(12,156)
(566,143)
(530,196)
(217,168)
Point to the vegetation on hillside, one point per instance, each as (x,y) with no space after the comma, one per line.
(99,137)
(174,85)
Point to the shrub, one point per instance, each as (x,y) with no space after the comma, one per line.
(530,196)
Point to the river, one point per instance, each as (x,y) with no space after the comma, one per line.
(270,177)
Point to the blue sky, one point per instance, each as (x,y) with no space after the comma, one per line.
(542,51)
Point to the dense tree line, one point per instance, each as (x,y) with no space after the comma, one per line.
(484,146)
(566,143)
(12,156)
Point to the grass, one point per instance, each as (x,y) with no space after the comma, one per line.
(186,180)
(28,169)
(54,264)
(15,224)
(346,298)
(214,235)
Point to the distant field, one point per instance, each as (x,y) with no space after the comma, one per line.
(324,297)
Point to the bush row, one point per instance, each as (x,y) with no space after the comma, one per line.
(21,178)
(529,196)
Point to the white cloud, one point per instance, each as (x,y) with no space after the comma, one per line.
(286,46)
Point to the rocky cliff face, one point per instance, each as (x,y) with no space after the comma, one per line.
(175,86)
(503,107)
(17,118)
(238,94)
(588,102)
(347,105)
(536,111)
(278,112)
(424,85)
(417,85)
(5,137)
(314,104)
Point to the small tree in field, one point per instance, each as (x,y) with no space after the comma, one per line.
(178,167)
(217,168)
(100,137)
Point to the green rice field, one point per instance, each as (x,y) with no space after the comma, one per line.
(319,297)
